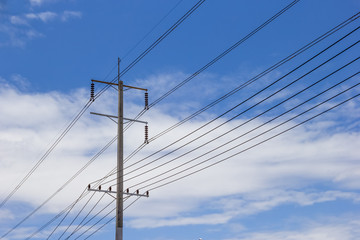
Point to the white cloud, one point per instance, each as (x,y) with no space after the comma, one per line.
(236,206)
(70,14)
(341,228)
(43,16)
(50,16)
(280,172)
(17,20)
(37,3)
(17,37)
(19,29)
(208,219)
(20,81)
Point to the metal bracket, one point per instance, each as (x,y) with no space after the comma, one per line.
(111,83)
(124,193)
(112,116)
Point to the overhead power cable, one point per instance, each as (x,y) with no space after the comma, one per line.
(67,213)
(249,98)
(252,80)
(244,111)
(77,215)
(255,145)
(94,232)
(244,123)
(67,208)
(97,221)
(46,154)
(260,75)
(223,54)
(110,220)
(220,56)
(88,104)
(60,189)
(154,44)
(85,217)
(151,30)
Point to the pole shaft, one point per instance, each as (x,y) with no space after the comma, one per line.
(120,167)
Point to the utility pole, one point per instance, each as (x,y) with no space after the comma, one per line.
(120,162)
(120,151)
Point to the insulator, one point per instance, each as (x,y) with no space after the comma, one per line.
(137,191)
(127,190)
(147,193)
(99,187)
(146,134)
(146,100)
(110,188)
(89,186)
(92,91)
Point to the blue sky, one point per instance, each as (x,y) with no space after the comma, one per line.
(303,184)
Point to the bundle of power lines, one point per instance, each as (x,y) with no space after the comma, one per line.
(308,89)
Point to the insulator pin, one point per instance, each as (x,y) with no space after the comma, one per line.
(146,100)
(92,91)
(146,134)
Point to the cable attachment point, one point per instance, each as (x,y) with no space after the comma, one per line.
(146,100)
(146,134)
(92,91)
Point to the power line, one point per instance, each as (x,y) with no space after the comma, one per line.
(77,215)
(97,221)
(84,218)
(154,44)
(47,153)
(81,225)
(257,93)
(67,213)
(215,59)
(61,188)
(223,54)
(255,145)
(151,30)
(258,76)
(112,219)
(246,122)
(278,64)
(87,105)
(62,212)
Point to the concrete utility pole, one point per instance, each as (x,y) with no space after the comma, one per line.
(120,162)
(120,151)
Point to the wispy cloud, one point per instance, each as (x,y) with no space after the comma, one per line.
(237,206)
(17,20)
(341,228)
(17,36)
(39,2)
(67,15)
(21,28)
(43,16)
